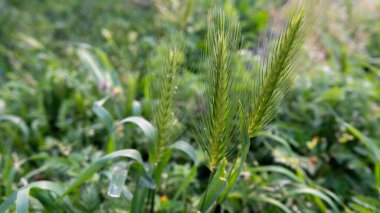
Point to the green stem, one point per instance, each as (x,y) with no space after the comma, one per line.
(377,175)
(208,184)
(111,143)
(184,195)
(152,193)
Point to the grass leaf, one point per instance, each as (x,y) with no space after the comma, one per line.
(100,163)
(21,196)
(19,123)
(187,149)
(214,189)
(314,192)
(272,201)
(103,115)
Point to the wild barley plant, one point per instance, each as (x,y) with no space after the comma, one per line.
(165,67)
(218,133)
(164,90)
(277,69)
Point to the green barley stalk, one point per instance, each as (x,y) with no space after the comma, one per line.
(164,91)
(217,132)
(278,68)
(166,66)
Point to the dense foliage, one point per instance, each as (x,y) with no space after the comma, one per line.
(179,106)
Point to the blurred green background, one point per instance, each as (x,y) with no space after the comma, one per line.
(57,58)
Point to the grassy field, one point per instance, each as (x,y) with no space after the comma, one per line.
(189,106)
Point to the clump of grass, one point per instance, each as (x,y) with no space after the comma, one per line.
(217,130)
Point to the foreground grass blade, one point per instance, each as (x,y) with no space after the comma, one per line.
(21,196)
(101,162)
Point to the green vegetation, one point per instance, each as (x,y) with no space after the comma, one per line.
(186,106)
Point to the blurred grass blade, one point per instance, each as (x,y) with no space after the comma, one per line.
(144,125)
(103,115)
(279,170)
(187,149)
(22,202)
(272,201)
(190,151)
(274,138)
(329,193)
(19,123)
(7,203)
(368,142)
(371,146)
(314,192)
(185,184)
(21,196)
(87,58)
(148,130)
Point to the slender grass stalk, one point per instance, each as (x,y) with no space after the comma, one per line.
(278,68)
(205,195)
(216,134)
(164,91)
